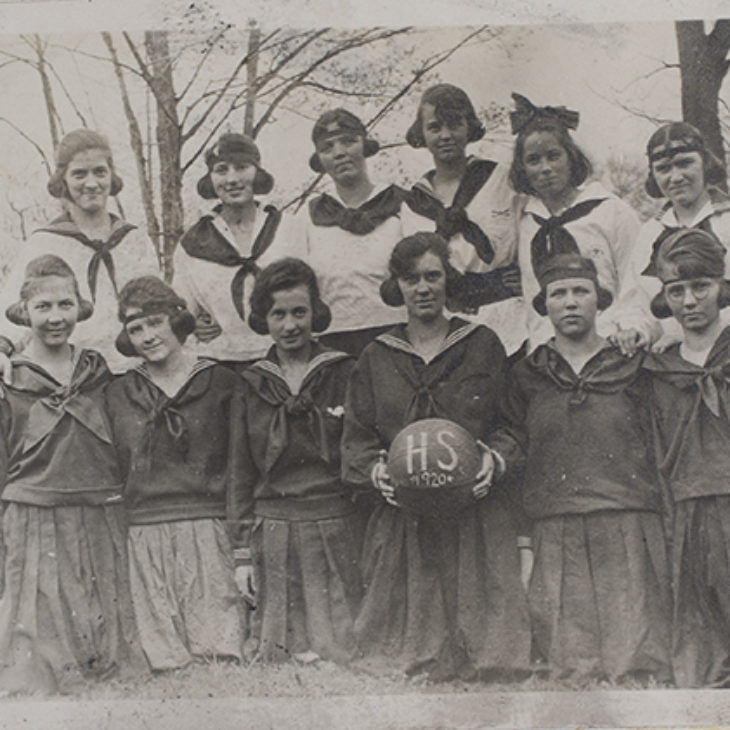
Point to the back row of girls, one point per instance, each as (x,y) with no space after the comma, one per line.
(499,222)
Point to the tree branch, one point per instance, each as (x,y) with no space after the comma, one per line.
(39,149)
(330,54)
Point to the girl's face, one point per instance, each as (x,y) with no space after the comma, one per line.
(233,181)
(343,157)
(547,165)
(572,305)
(424,288)
(88,180)
(445,140)
(290,318)
(53,310)
(152,336)
(695,303)
(681,177)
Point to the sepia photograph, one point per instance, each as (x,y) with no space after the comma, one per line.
(364,367)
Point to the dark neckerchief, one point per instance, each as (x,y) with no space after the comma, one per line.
(64,226)
(426,381)
(268,381)
(605,372)
(161,408)
(326,211)
(552,237)
(204,241)
(711,381)
(54,401)
(452,220)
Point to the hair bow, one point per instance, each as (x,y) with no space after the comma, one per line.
(526,111)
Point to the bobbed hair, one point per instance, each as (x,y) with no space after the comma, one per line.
(450,103)
(37,270)
(580,166)
(713,170)
(280,275)
(80,140)
(151,295)
(403,258)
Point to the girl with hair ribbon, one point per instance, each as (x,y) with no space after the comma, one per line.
(562,213)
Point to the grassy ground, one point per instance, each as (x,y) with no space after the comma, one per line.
(223,679)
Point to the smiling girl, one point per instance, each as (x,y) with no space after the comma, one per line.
(219,257)
(685,172)
(175,420)
(101,249)
(65,570)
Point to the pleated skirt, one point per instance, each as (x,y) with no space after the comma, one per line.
(444,597)
(701,580)
(184,593)
(66,590)
(600,596)
(308,587)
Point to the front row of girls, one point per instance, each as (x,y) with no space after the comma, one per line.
(136,509)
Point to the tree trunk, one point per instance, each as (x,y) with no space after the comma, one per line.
(169,144)
(47,90)
(703,64)
(135,139)
(254,39)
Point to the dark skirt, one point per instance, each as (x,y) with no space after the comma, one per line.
(185,596)
(444,597)
(701,579)
(308,587)
(600,597)
(67,590)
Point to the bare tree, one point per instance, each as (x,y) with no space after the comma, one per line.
(703,61)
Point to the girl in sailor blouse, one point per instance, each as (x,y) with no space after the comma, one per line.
(562,213)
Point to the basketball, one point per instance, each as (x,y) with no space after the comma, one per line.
(433,465)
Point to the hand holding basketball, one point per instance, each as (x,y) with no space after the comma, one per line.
(380,478)
(485,475)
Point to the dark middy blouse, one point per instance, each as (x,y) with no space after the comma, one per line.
(585,440)
(55,441)
(178,455)
(691,408)
(290,450)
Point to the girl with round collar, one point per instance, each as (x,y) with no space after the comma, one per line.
(685,172)
(562,213)
(301,523)
(468,201)
(176,425)
(347,233)
(66,587)
(220,256)
(102,250)
(442,597)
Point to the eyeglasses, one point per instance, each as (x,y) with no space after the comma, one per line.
(677,291)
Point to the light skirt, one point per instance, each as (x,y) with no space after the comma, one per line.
(185,597)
